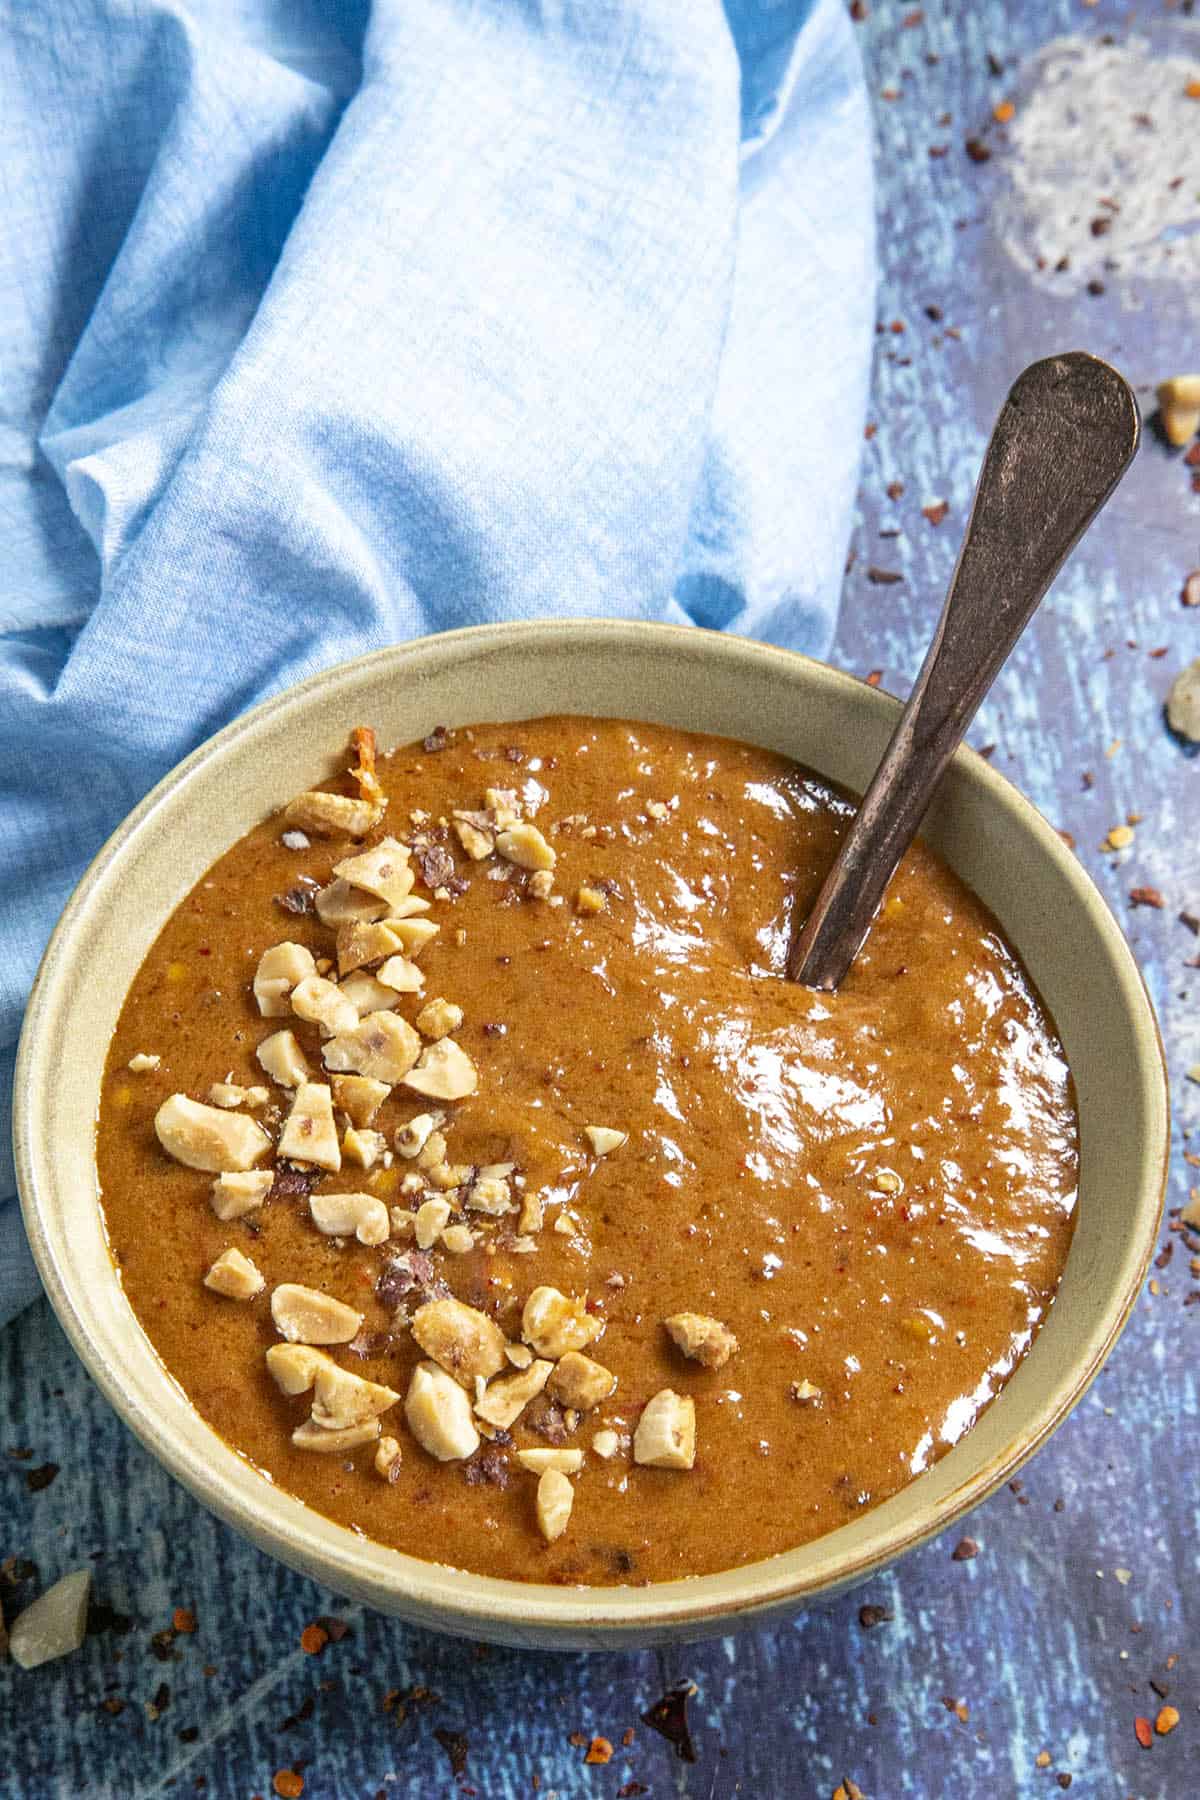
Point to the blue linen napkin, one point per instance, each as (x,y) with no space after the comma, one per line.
(325,324)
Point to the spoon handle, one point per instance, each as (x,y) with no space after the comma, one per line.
(1065,436)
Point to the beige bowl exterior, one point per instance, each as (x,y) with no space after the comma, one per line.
(705,682)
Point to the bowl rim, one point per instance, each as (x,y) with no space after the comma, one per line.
(444,1596)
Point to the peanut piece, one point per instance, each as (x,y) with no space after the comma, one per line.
(343,1215)
(383,1046)
(579,1382)
(460,1338)
(310,1134)
(443,1072)
(358,1097)
(438,1018)
(235,1276)
(304,1315)
(234,1195)
(524,845)
(702,1338)
(666,1432)
(506,1398)
(555,1498)
(439,1414)
(279,969)
(554,1324)
(283,1059)
(205,1137)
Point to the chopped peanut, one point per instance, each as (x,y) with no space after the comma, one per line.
(567,1462)
(310,1134)
(590,900)
(345,1215)
(358,1097)
(363,1147)
(341,904)
(579,1382)
(507,1396)
(606,1443)
(304,1315)
(604,1139)
(401,975)
(279,969)
(429,1222)
(227,1094)
(387,1458)
(666,1433)
(554,1324)
(703,1339)
(438,1018)
(383,871)
(283,1059)
(477,843)
(555,1498)
(411,1139)
(205,1137)
(328,815)
(321,1002)
(524,845)
(311,1436)
(443,1072)
(382,1046)
(439,1414)
(235,1276)
(366,994)
(240,1192)
(142,1064)
(463,1340)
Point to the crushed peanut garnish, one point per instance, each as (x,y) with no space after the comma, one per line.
(666,1432)
(142,1064)
(555,1498)
(703,1339)
(235,1276)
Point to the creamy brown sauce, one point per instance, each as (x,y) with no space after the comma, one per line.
(873,1189)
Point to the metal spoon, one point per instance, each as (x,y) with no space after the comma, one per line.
(1065,436)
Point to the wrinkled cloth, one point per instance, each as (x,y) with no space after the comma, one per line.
(326,324)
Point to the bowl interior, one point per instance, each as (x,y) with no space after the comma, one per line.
(992,837)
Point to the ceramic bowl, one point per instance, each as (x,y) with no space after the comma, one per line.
(992,836)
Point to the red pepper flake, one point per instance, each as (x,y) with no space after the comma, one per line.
(1191,458)
(859,11)
(287,1784)
(668,1717)
(894,488)
(936,511)
(874,678)
(964,1550)
(456,1745)
(37,1479)
(1192,90)
(977,150)
(911,20)
(1063,1779)
(1167,1720)
(313,1640)
(883,577)
(1143,1732)
(1191,587)
(1003,111)
(600,1750)
(631,1790)
(1146,896)
(871,1615)
(183,1619)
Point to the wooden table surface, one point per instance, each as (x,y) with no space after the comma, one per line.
(1044,1643)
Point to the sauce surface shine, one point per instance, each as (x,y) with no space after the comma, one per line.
(872,1190)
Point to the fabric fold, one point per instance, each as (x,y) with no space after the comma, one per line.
(339,328)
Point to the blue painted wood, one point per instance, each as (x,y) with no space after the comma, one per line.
(1038,1637)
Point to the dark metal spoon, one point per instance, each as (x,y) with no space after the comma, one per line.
(1065,436)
